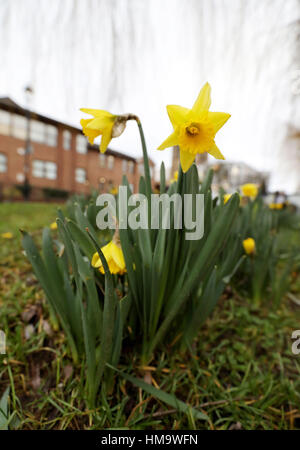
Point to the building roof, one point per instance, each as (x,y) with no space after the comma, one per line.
(8,104)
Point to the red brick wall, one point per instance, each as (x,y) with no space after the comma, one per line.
(67,161)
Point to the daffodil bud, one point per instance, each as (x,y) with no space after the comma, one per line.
(249,246)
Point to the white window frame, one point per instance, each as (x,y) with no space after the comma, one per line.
(44,169)
(141,169)
(51,135)
(5,122)
(67,139)
(81,144)
(124,165)
(110,162)
(19,126)
(38,131)
(80,175)
(102,160)
(130,167)
(3,163)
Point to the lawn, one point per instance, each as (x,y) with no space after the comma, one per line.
(241,371)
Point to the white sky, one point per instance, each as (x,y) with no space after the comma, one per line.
(140,55)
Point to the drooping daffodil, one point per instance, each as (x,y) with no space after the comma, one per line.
(114,256)
(103,124)
(195,129)
(53,226)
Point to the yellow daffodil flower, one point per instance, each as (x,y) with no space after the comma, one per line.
(249,190)
(7,235)
(114,191)
(114,256)
(53,226)
(195,129)
(276,205)
(249,246)
(103,124)
(226,198)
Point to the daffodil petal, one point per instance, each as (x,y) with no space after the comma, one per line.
(106,250)
(113,267)
(96,261)
(203,100)
(84,122)
(215,152)
(171,141)
(218,119)
(177,114)
(90,134)
(100,123)
(118,257)
(105,140)
(186,160)
(96,112)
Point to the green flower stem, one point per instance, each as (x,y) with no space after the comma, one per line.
(146,159)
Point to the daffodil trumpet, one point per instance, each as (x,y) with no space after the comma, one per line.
(250,190)
(112,254)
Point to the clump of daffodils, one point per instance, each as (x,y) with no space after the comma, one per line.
(195,129)
(249,246)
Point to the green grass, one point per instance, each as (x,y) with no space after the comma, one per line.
(240,372)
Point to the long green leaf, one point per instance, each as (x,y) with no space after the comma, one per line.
(169,399)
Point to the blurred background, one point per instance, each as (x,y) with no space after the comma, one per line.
(138,56)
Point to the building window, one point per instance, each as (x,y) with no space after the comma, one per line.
(130,166)
(124,165)
(80,175)
(20,177)
(110,162)
(37,131)
(3,163)
(141,168)
(4,122)
(51,135)
(81,144)
(67,139)
(44,169)
(102,159)
(19,126)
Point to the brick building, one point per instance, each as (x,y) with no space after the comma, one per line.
(60,159)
